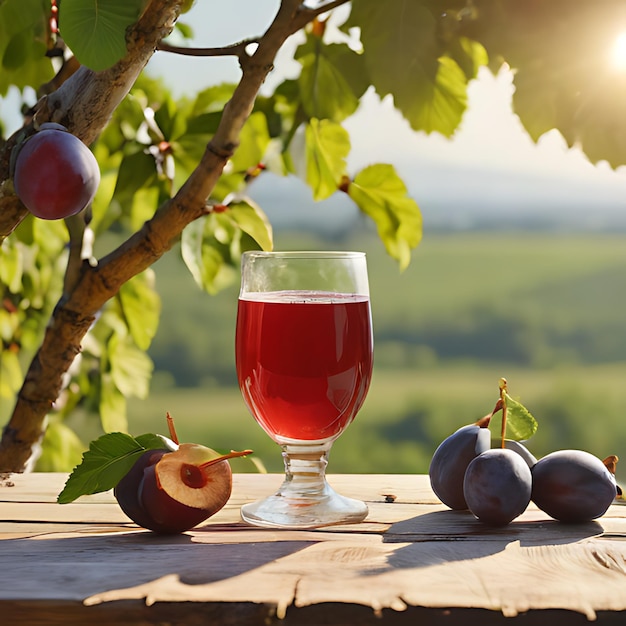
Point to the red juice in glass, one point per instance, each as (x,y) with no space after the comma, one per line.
(304,361)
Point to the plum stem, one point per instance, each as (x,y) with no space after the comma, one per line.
(503,395)
(171,428)
(483,422)
(231,455)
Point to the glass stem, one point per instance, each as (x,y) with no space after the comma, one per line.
(305,470)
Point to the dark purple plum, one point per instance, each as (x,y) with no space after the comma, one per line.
(522,450)
(450,460)
(56,175)
(572,486)
(497,486)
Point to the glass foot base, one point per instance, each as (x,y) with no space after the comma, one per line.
(300,511)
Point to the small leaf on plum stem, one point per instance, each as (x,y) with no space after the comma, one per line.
(520,424)
(107,461)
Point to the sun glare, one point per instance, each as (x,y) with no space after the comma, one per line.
(618,53)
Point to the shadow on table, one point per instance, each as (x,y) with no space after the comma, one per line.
(443,536)
(96,563)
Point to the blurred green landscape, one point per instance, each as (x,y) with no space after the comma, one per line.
(545,310)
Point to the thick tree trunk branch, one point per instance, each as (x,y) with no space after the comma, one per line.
(76,312)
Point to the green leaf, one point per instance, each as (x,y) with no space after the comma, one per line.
(254,140)
(141,306)
(151,441)
(205,247)
(191,249)
(10,374)
(469,55)
(136,170)
(253,221)
(397,61)
(520,424)
(185,30)
(328,87)
(23,33)
(17,51)
(104,464)
(438,105)
(131,368)
(171,118)
(428,88)
(112,406)
(144,204)
(327,146)
(62,449)
(11,265)
(95,30)
(380,193)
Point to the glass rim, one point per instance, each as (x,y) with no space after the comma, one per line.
(304,254)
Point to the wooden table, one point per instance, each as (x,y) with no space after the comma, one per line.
(412,561)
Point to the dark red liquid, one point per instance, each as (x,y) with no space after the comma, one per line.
(304,363)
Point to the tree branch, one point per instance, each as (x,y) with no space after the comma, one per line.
(324,8)
(236,49)
(97,284)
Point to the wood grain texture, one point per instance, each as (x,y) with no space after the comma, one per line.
(410,554)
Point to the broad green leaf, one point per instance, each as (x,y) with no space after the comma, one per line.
(329,81)
(62,449)
(191,250)
(438,105)
(380,193)
(11,265)
(23,33)
(213,99)
(520,424)
(103,210)
(203,124)
(50,235)
(95,30)
(150,441)
(185,30)
(171,118)
(10,373)
(112,406)
(144,204)
(9,324)
(206,250)
(428,88)
(17,51)
(104,464)
(254,140)
(400,42)
(327,146)
(469,55)
(253,221)
(136,170)
(131,368)
(141,306)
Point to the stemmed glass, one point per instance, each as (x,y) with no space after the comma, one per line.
(304,352)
